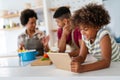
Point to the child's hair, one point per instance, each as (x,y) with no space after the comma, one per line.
(26,14)
(91,15)
(62,12)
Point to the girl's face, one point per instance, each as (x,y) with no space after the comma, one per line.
(60,23)
(89,32)
(31,25)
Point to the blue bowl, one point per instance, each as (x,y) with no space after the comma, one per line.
(28,55)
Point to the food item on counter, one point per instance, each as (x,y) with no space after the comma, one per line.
(25,50)
(43,61)
(45,57)
(22,50)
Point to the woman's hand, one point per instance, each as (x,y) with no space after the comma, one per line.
(21,48)
(45,40)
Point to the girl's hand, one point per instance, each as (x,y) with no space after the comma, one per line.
(76,67)
(77,59)
(76,64)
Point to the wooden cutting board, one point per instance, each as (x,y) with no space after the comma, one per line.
(39,62)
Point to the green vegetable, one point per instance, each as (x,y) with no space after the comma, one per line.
(43,59)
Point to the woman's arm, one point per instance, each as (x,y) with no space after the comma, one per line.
(105,45)
(45,41)
(20,43)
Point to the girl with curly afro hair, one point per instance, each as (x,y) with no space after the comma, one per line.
(96,39)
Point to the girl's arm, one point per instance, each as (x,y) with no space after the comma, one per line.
(76,52)
(105,45)
(82,54)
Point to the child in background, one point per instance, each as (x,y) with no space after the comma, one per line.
(32,38)
(96,39)
(67,35)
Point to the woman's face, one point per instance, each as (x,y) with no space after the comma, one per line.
(89,32)
(31,25)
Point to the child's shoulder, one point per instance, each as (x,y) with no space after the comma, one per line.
(103,31)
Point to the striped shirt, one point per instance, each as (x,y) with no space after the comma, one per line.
(95,49)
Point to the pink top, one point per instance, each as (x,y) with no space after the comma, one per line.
(59,34)
(76,36)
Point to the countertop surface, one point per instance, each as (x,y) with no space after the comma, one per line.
(12,67)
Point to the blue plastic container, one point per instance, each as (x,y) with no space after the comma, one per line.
(28,56)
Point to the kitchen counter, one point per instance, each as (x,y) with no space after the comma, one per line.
(52,71)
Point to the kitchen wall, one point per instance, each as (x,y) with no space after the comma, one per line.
(18,6)
(8,38)
(14,4)
(113,7)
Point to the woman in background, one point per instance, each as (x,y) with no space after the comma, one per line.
(32,38)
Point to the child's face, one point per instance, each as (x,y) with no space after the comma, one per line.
(89,32)
(60,23)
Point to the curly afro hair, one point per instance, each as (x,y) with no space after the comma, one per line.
(91,15)
(26,14)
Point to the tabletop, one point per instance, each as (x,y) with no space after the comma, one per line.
(12,67)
